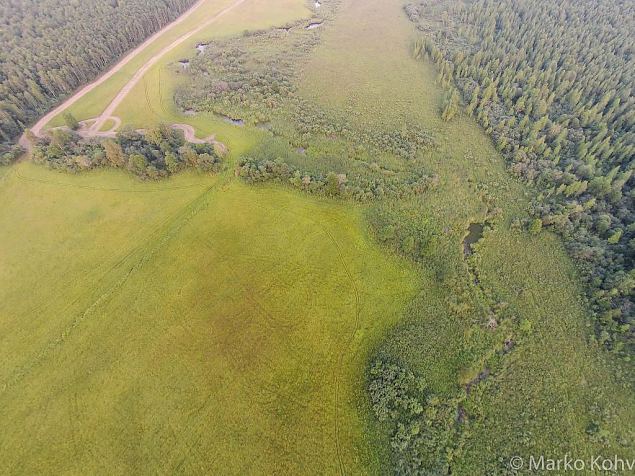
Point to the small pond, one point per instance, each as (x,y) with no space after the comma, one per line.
(231,120)
(475,233)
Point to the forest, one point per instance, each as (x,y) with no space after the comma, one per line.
(554,89)
(49,49)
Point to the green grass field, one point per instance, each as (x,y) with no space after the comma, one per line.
(201,325)
(196,325)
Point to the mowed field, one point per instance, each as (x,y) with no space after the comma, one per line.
(190,325)
(198,325)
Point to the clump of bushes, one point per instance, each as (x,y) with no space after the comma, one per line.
(9,153)
(393,227)
(405,143)
(246,76)
(421,424)
(157,153)
(355,186)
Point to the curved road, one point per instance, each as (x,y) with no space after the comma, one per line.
(108,112)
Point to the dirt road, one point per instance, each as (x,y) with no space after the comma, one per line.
(109,111)
(98,123)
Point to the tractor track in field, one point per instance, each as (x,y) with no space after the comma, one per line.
(346,349)
(135,260)
(98,270)
(162,235)
(148,102)
(24,178)
(351,337)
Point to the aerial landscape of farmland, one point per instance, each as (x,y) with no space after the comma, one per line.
(317,237)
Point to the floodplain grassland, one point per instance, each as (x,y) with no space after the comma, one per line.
(194,325)
(200,324)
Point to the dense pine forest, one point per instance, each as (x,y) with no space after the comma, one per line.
(49,48)
(552,83)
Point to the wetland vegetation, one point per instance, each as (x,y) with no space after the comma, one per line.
(563,114)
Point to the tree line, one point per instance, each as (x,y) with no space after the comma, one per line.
(552,83)
(154,154)
(358,186)
(51,47)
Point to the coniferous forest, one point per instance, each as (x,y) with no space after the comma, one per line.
(50,48)
(552,83)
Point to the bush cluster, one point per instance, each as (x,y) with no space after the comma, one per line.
(156,153)
(9,153)
(357,187)
(421,425)
(252,78)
